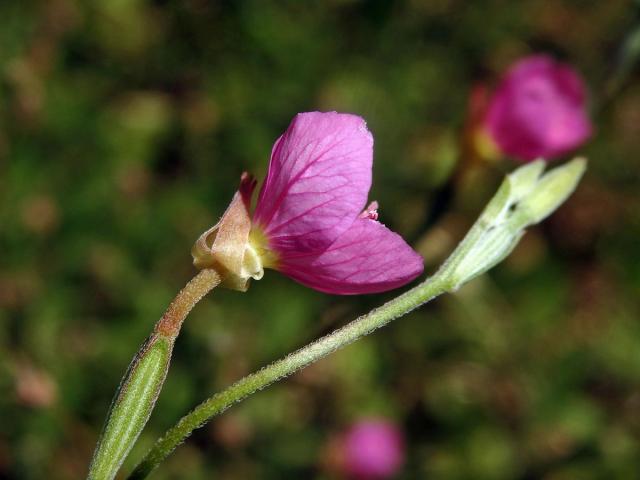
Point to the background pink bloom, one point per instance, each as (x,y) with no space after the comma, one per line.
(310,205)
(538,110)
(373,450)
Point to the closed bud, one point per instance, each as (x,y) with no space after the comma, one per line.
(525,198)
(553,189)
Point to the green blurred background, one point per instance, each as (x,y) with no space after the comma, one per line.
(124,127)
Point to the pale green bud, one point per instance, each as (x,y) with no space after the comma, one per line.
(525,197)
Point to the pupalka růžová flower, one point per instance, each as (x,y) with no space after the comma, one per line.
(539,110)
(372,449)
(310,220)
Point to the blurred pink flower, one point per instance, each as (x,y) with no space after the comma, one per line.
(538,110)
(373,449)
(309,221)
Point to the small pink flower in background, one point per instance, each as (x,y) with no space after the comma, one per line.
(372,449)
(310,220)
(538,110)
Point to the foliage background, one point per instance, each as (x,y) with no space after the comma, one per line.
(124,127)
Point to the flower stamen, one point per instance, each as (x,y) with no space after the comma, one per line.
(371,212)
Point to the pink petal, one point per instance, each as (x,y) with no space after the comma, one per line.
(317,183)
(539,110)
(373,449)
(367,258)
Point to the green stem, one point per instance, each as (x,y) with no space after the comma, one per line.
(139,389)
(525,198)
(171,322)
(217,404)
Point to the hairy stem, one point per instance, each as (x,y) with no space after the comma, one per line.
(363,325)
(139,389)
(170,323)
(525,197)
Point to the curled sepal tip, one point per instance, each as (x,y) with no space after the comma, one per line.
(225,247)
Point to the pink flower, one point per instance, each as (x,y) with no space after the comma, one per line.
(309,221)
(538,110)
(373,449)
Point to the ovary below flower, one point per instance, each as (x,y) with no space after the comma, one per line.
(310,220)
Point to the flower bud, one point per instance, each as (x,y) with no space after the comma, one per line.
(552,190)
(525,198)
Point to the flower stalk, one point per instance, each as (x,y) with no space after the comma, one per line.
(525,197)
(140,387)
(288,365)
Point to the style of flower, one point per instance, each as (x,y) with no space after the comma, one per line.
(310,221)
(538,110)
(372,449)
